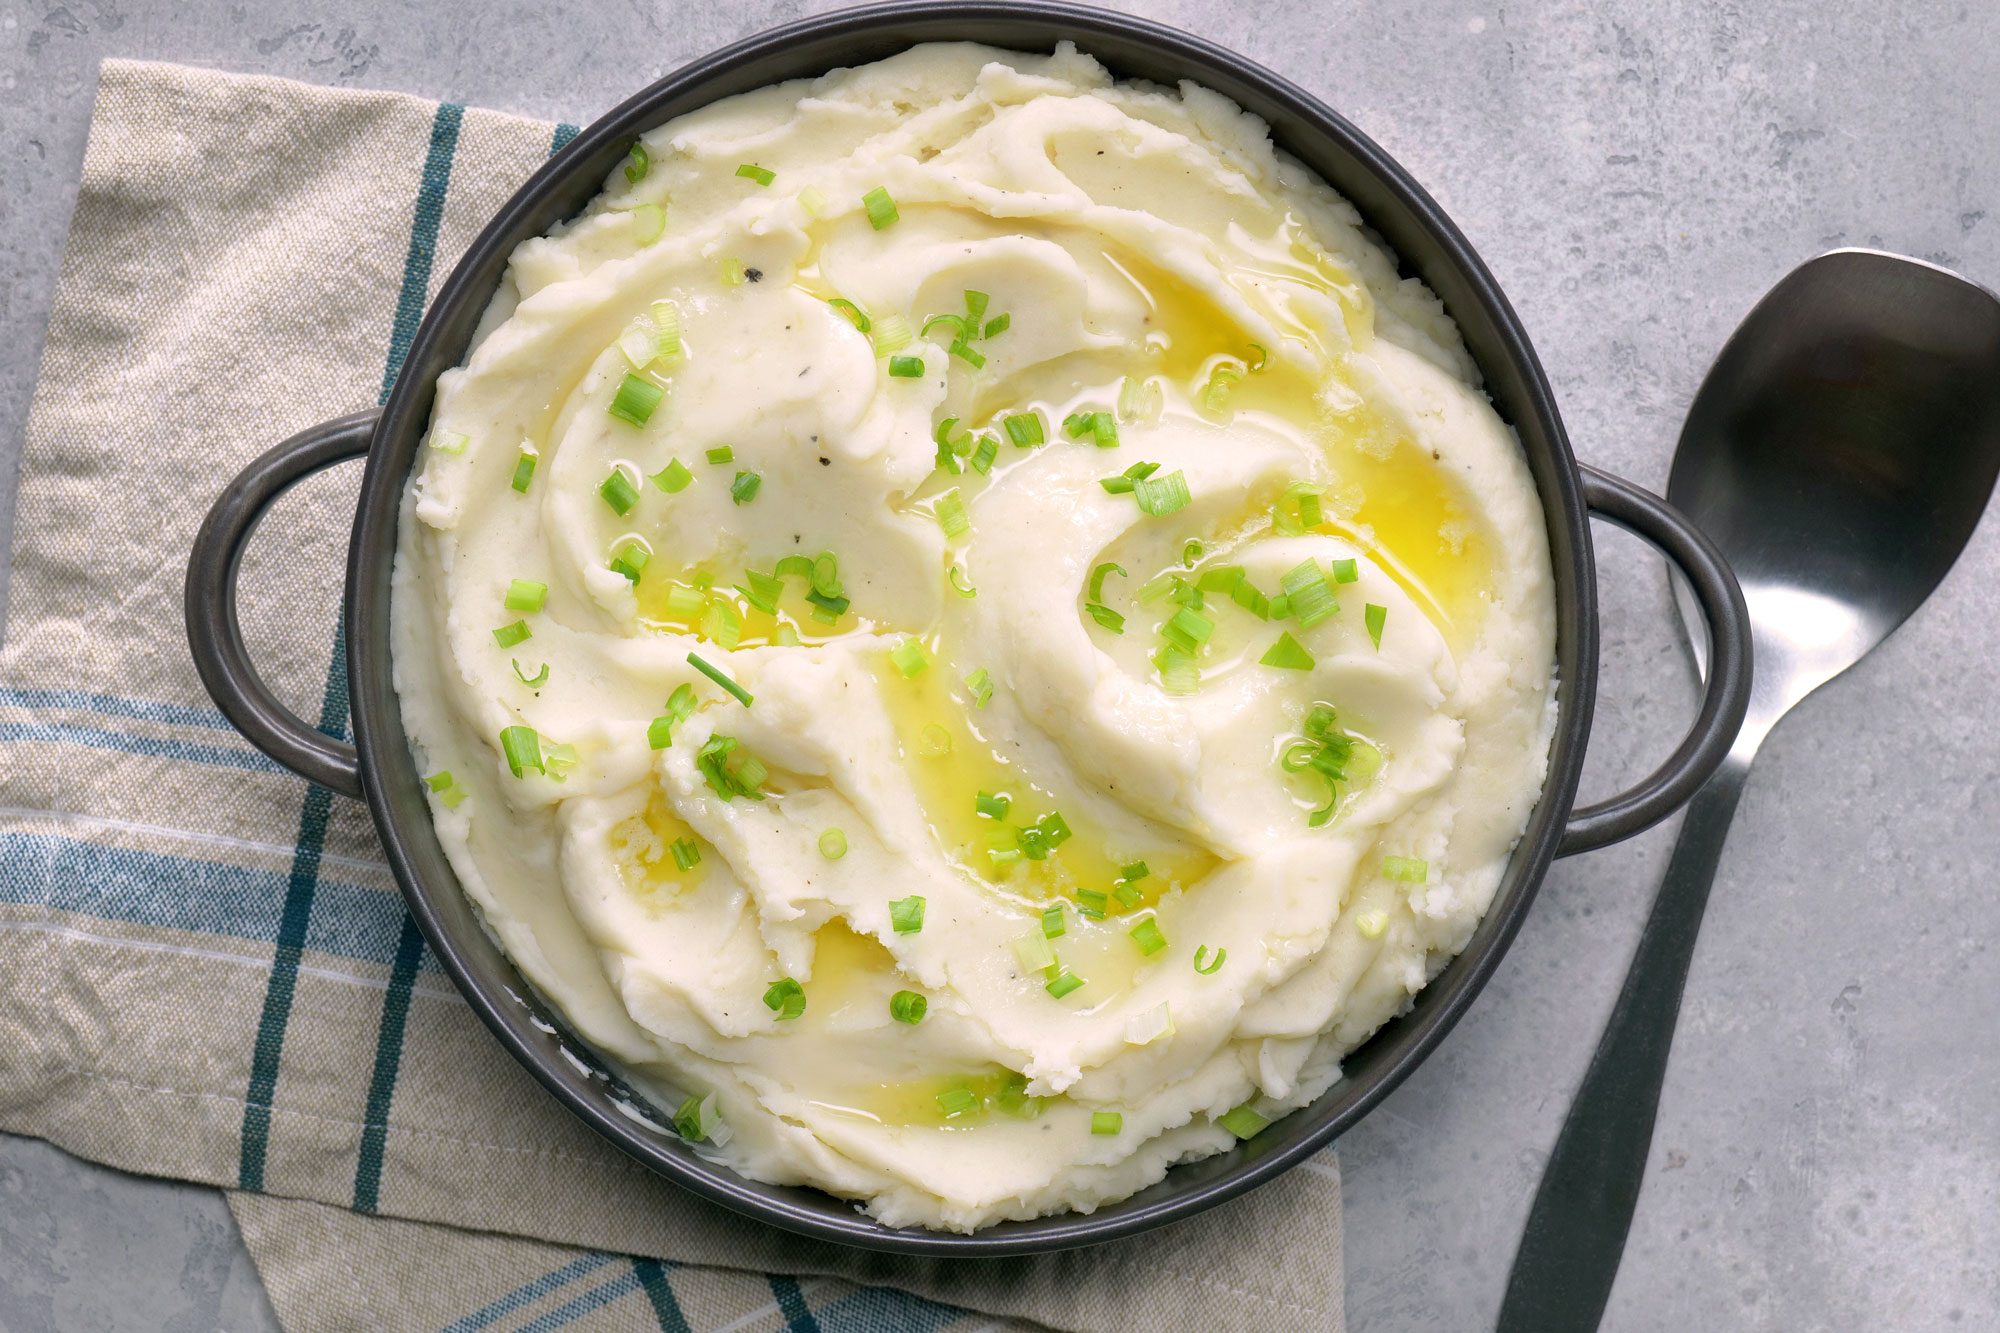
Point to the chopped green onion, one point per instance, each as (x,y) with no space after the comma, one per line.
(684,603)
(559,759)
(619,492)
(906,367)
(535,682)
(1102,427)
(833,844)
(906,1006)
(1221,383)
(965,352)
(1308,594)
(933,742)
(909,657)
(652,224)
(697,1120)
(951,515)
(734,274)
(1054,923)
(980,682)
(1372,924)
(1178,672)
(997,325)
(1206,960)
(630,558)
(786,998)
(1106,1122)
(449,793)
(666,331)
(1134,870)
(1023,428)
(1143,1029)
(1220,578)
(1159,496)
(855,314)
(525,595)
(720,455)
(523,748)
(1409,869)
(983,456)
(687,854)
(881,208)
(956,1102)
(449,441)
(1091,903)
(637,162)
(1105,616)
(1263,358)
(635,400)
(744,489)
(1139,399)
(1125,482)
(1288,654)
(524,468)
(1098,575)
(762,175)
(1148,937)
(1035,951)
(712,759)
(1191,550)
(948,446)
(1243,1122)
(720,677)
(956,322)
(1376,617)
(1062,983)
(722,623)
(673,478)
(892,334)
(509,635)
(812,201)
(1345,571)
(660,732)
(1298,509)
(906,915)
(1128,895)
(991,805)
(826,574)
(1187,630)
(763,592)
(975,305)
(958,583)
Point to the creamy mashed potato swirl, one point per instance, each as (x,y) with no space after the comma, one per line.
(1199,774)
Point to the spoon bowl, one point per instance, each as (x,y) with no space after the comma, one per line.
(1840,452)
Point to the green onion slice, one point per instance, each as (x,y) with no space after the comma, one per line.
(635,399)
(951,515)
(1035,952)
(525,595)
(1207,960)
(1054,922)
(524,468)
(906,367)
(881,208)
(1099,574)
(909,657)
(1159,496)
(535,682)
(786,998)
(673,478)
(980,683)
(523,748)
(1024,429)
(698,1120)
(892,334)
(958,582)
(855,314)
(906,1006)
(449,441)
(1308,594)
(992,805)
(1091,903)
(1409,869)
(637,162)
(1288,654)
(720,677)
(751,171)
(956,1102)
(1376,617)
(687,854)
(833,844)
(619,492)
(1345,571)
(509,635)
(1106,1122)
(1062,983)
(906,915)
(1148,937)
(1105,616)
(1243,1122)
(744,489)
(720,455)
(983,456)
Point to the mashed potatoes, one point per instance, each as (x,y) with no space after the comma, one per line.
(971,633)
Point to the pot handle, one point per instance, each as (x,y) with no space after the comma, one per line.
(215,634)
(1726,696)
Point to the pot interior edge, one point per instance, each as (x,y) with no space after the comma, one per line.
(1393,205)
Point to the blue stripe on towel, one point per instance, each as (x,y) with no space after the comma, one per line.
(117,705)
(652,1276)
(426,220)
(158,747)
(528,1293)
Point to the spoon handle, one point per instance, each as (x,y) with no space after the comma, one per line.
(1576,1230)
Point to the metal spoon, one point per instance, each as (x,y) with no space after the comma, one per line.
(1840,453)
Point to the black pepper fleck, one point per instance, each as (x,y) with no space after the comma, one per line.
(754,274)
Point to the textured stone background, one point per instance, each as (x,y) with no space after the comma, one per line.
(1636,172)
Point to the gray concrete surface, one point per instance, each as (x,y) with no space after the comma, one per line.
(1636,172)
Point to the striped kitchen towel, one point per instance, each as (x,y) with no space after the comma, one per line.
(205,969)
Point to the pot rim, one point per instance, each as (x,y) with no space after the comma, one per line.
(1393,205)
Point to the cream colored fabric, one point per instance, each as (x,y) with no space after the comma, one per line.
(205,969)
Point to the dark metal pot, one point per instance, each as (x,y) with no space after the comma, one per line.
(380,765)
